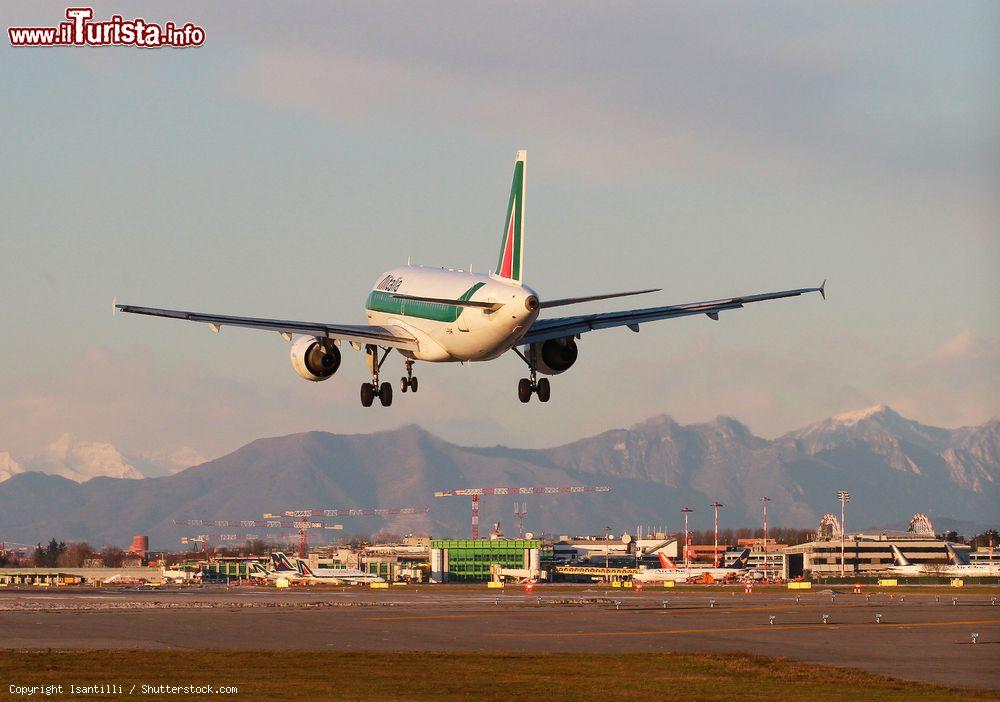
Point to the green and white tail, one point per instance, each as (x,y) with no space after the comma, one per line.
(512,244)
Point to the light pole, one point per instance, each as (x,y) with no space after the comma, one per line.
(687,538)
(715,557)
(844,498)
(764,500)
(607,549)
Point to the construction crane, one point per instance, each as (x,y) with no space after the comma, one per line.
(343,512)
(475,493)
(203,539)
(354,512)
(300,525)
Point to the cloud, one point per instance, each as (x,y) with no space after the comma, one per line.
(958,383)
(773,87)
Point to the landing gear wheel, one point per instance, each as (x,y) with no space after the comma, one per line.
(413,384)
(524,389)
(403,384)
(385,394)
(543,390)
(367,394)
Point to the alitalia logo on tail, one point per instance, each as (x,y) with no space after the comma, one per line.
(512,243)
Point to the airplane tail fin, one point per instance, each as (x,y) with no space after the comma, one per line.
(281,563)
(742,560)
(956,557)
(304,568)
(665,562)
(898,557)
(512,243)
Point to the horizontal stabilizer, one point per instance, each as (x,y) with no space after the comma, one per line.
(448,301)
(591,298)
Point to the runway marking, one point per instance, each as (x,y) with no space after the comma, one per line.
(764,627)
(411,617)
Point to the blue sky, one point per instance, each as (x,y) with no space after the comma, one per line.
(705,148)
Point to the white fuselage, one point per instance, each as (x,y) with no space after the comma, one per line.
(954,571)
(680,575)
(449,332)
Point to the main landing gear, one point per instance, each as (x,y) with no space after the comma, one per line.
(369,391)
(409,382)
(527,386)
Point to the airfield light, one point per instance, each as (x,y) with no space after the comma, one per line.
(770,619)
(711,602)
(826,618)
(975,636)
(665,603)
(954,600)
(878,617)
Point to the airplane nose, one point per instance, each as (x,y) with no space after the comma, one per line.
(531,303)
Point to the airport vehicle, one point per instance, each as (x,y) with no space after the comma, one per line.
(446,315)
(335,576)
(902,566)
(668,571)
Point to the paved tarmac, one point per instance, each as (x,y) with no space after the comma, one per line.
(920,636)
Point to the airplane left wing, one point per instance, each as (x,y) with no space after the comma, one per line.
(559,327)
(393,337)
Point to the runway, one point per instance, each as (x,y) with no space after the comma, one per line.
(913,636)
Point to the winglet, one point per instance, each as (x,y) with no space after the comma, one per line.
(822,288)
(114,306)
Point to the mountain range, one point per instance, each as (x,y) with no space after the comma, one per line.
(893,467)
(80,460)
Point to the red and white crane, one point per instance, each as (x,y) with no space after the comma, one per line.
(344,512)
(354,512)
(476,492)
(301,525)
(203,539)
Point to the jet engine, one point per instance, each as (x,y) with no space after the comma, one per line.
(555,355)
(314,358)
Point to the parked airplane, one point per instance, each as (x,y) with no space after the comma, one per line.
(280,568)
(445,315)
(903,566)
(670,572)
(336,576)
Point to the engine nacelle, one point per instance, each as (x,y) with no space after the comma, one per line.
(555,355)
(314,358)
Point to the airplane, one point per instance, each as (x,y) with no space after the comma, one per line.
(336,576)
(668,571)
(280,568)
(902,566)
(443,315)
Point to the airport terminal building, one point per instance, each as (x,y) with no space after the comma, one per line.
(864,554)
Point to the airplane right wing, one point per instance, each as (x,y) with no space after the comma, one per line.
(393,337)
(559,327)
